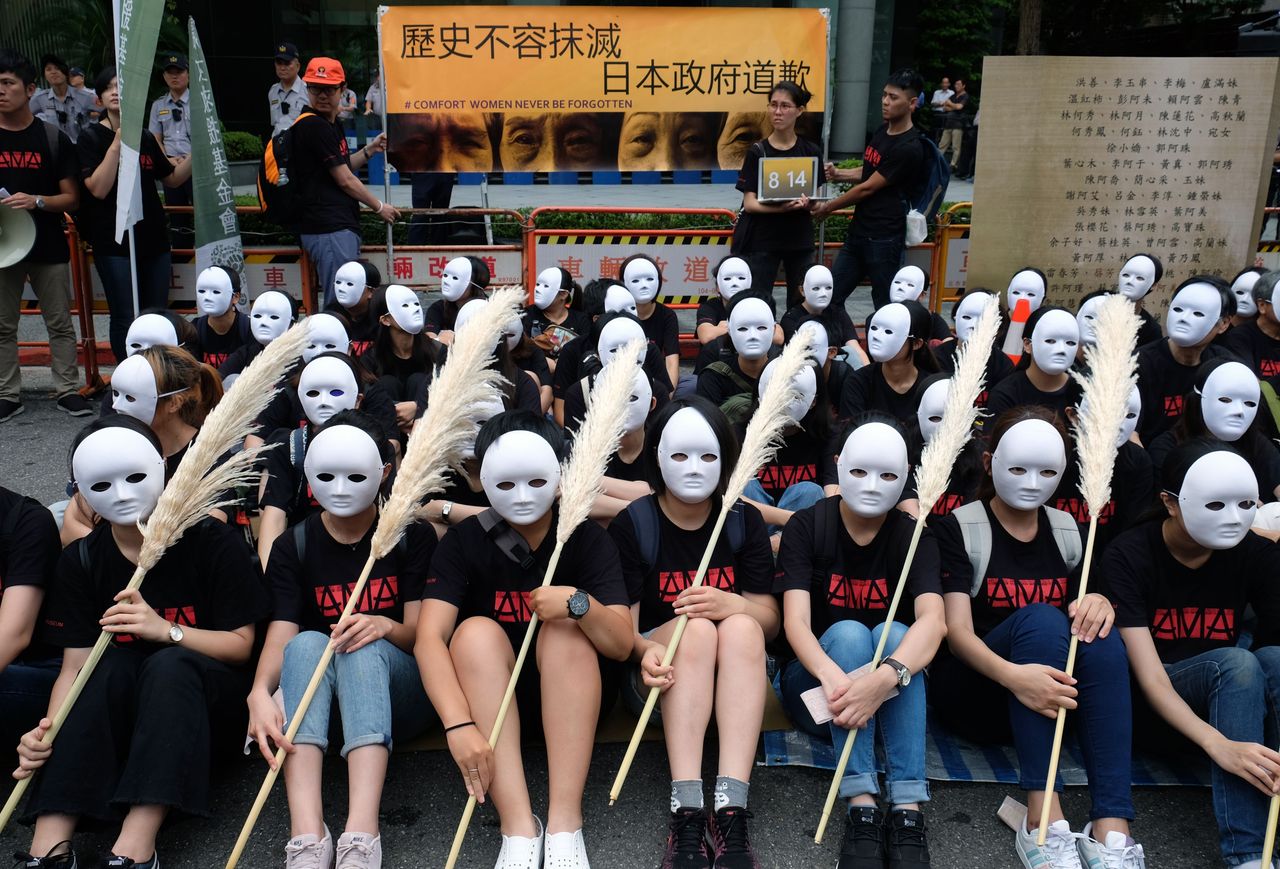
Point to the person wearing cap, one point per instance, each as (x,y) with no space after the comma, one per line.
(329,193)
(373,103)
(60,104)
(288,96)
(77,84)
(170,121)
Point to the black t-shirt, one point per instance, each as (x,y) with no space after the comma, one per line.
(786,230)
(713,311)
(207,579)
(398,369)
(1264,457)
(215,349)
(620,469)
(1163,384)
(718,387)
(1017,390)
(656,586)
(524,396)
(469,571)
(1192,611)
(801,458)
(151,234)
(663,330)
(285,411)
(312,592)
(899,159)
(28,166)
(568,366)
(459,491)
(30,553)
(954,118)
(360,330)
(1248,343)
(1018,574)
(575,403)
(998,367)
(835,319)
(1149,329)
(438,318)
(318,147)
(1132,491)
(239,359)
(287,487)
(535,363)
(574,325)
(859,582)
(866,389)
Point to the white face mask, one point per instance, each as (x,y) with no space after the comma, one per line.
(1027,466)
(641,400)
(1242,289)
(348,284)
(546,288)
(872,469)
(615,335)
(689,456)
(326,335)
(1219,499)
(932,403)
(213,292)
(618,298)
(1193,314)
(806,384)
(484,411)
(150,330)
(821,344)
(1087,321)
(888,331)
(968,312)
(1026,285)
(1229,401)
(270,316)
(512,333)
(751,328)
(466,312)
(733,277)
(133,389)
(325,387)
(1136,277)
(520,475)
(120,474)
(344,470)
(641,280)
(1054,341)
(818,287)
(405,308)
(1132,410)
(907,284)
(456,279)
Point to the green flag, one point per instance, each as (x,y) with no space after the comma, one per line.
(217,226)
(139,28)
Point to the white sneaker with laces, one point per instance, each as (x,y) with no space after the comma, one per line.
(1118,851)
(309,851)
(566,851)
(359,851)
(521,852)
(1059,850)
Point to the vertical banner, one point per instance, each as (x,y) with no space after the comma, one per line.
(218,240)
(135,59)
(1107,157)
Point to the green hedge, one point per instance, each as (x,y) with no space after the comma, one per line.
(242,146)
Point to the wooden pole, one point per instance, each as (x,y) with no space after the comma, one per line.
(1269,842)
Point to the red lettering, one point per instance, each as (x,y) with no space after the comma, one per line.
(358,348)
(214,359)
(1079,509)
(851,593)
(21,160)
(946,504)
(1173,405)
(672,582)
(512,607)
(1195,623)
(379,594)
(779,477)
(1269,368)
(1006,593)
(185,616)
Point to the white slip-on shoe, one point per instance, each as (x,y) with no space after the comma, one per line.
(1118,851)
(359,851)
(309,851)
(521,852)
(566,851)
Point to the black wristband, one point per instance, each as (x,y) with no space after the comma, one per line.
(460,726)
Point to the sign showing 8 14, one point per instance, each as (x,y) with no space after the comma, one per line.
(785,178)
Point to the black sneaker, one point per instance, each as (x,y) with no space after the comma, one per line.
(66,860)
(730,841)
(907,845)
(687,841)
(863,845)
(114,862)
(74,403)
(9,409)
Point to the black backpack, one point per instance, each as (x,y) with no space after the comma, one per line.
(276,195)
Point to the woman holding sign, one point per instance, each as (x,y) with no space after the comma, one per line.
(772,229)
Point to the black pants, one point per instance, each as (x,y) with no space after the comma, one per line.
(141,734)
(24,698)
(875,259)
(764,270)
(431,190)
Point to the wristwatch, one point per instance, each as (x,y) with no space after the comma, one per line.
(175,632)
(904,674)
(39,203)
(445,510)
(579,603)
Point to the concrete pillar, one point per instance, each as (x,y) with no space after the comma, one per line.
(855,27)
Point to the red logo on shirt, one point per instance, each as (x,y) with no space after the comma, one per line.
(1195,623)
(215,359)
(21,160)
(858,594)
(778,477)
(185,616)
(672,582)
(381,593)
(1173,405)
(946,504)
(1013,594)
(358,348)
(511,607)
(1269,368)
(1079,510)
(871,157)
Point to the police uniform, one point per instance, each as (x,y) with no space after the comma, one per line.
(70,114)
(170,122)
(286,103)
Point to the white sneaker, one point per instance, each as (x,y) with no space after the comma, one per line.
(1117,852)
(309,851)
(359,851)
(566,851)
(520,852)
(1059,851)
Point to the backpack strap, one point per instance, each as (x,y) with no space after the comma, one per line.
(826,531)
(644,518)
(82,549)
(297,455)
(51,133)
(735,526)
(300,540)
(1273,400)
(1066,533)
(722,368)
(975,530)
(585,385)
(506,538)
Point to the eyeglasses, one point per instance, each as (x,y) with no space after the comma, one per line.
(781,107)
(322,90)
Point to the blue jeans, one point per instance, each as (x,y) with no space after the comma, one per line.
(24,698)
(796,497)
(378,688)
(875,259)
(901,721)
(328,252)
(1238,692)
(154,274)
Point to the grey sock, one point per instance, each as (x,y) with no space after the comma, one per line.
(730,792)
(686,794)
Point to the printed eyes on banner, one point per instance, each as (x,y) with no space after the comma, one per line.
(542,143)
(666,140)
(740,130)
(443,143)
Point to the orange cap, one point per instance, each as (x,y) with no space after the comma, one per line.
(324,70)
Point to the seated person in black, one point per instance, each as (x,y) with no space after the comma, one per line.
(272,313)
(643,279)
(1049,346)
(402,357)
(911,284)
(463,495)
(220,329)
(353,287)
(816,303)
(733,277)
(898,342)
(465,279)
(1138,277)
(609,333)
(556,316)
(1256,342)
(751,329)
(965,312)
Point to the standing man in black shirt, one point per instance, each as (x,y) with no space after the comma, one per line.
(329,192)
(891,162)
(954,119)
(38,171)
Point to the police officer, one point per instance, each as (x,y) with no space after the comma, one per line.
(170,121)
(289,94)
(60,104)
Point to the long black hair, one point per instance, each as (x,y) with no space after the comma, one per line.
(719,426)
(1029,330)
(475,289)
(381,357)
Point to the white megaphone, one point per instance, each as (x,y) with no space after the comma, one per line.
(17,235)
